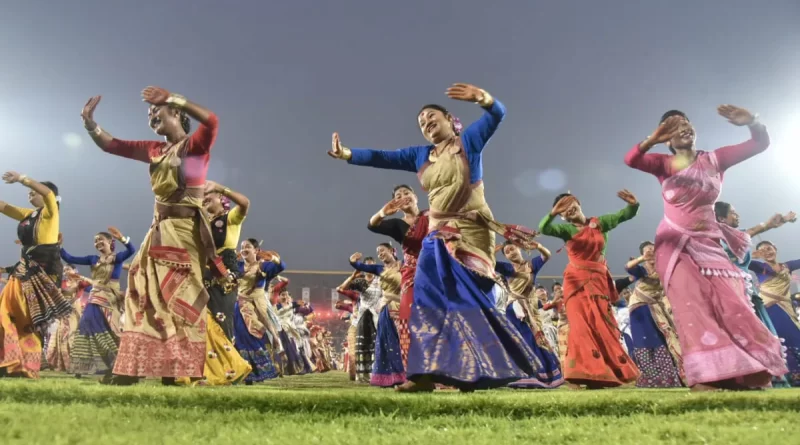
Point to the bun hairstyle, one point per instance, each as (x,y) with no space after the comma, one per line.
(721,210)
(668,115)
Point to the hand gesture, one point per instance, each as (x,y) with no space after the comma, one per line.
(87,113)
(11,177)
(648,256)
(735,115)
(212,187)
(628,197)
(665,131)
(115,233)
(356,257)
(155,95)
(758,254)
(563,204)
(268,255)
(465,92)
(790,217)
(337,150)
(395,205)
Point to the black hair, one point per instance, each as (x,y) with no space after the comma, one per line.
(540,286)
(390,247)
(721,210)
(52,188)
(254,242)
(765,243)
(369,258)
(359,284)
(555,283)
(563,195)
(643,245)
(110,238)
(186,123)
(434,107)
(401,186)
(668,115)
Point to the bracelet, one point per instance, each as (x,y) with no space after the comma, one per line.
(24,180)
(754,121)
(346,154)
(177,100)
(125,240)
(226,192)
(382,214)
(486,100)
(97,131)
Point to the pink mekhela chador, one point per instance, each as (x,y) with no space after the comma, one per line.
(722,339)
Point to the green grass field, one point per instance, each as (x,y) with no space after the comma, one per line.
(328,409)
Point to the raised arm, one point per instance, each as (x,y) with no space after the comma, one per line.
(404,159)
(272,268)
(611,221)
(375,269)
(538,262)
(201,141)
(731,155)
(774,222)
(87,260)
(136,150)
(563,231)
(127,253)
(479,132)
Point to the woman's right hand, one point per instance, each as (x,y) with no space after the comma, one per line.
(395,205)
(338,151)
(562,205)
(663,133)
(87,114)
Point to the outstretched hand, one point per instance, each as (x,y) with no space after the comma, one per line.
(628,197)
(87,113)
(465,92)
(356,257)
(736,115)
(665,131)
(563,204)
(155,95)
(395,205)
(115,233)
(11,177)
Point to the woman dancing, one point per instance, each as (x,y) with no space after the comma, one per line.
(594,356)
(724,345)
(60,346)
(775,291)
(458,338)
(97,343)
(388,369)
(31,299)
(223,365)
(251,322)
(655,341)
(351,289)
(409,231)
(522,311)
(165,320)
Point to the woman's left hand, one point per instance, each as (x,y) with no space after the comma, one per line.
(115,233)
(465,92)
(11,177)
(212,187)
(628,197)
(155,95)
(735,115)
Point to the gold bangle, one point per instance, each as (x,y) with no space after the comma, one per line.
(176,100)
(486,100)
(97,131)
(226,192)
(24,180)
(346,154)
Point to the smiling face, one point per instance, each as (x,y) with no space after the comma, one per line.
(435,125)
(212,202)
(385,254)
(513,253)
(102,244)
(248,251)
(35,199)
(541,293)
(768,252)
(164,120)
(684,138)
(403,192)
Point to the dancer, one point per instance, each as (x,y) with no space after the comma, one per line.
(458,338)
(346,289)
(775,291)
(655,341)
(97,343)
(388,369)
(251,322)
(31,299)
(727,214)
(60,346)
(165,305)
(546,317)
(594,357)
(223,364)
(522,312)
(723,343)
(409,231)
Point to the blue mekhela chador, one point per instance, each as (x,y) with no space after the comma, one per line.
(458,337)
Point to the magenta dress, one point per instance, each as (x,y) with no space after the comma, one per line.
(720,335)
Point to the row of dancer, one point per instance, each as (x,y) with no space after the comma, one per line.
(459,338)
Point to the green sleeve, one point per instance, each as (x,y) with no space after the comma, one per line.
(563,231)
(612,220)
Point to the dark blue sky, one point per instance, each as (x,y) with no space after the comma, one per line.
(583,81)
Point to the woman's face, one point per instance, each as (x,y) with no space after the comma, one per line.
(685,137)
(163,120)
(648,251)
(248,251)
(513,253)
(768,252)
(574,213)
(213,203)
(35,199)
(385,254)
(435,125)
(404,193)
(102,244)
(732,219)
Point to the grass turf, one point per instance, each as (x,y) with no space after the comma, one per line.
(328,409)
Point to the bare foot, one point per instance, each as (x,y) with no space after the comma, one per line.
(574,386)
(423,385)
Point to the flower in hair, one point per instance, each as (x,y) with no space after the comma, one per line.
(457,125)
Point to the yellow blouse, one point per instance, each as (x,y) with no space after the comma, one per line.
(234,229)
(47,228)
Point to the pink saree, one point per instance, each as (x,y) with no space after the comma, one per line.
(720,335)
